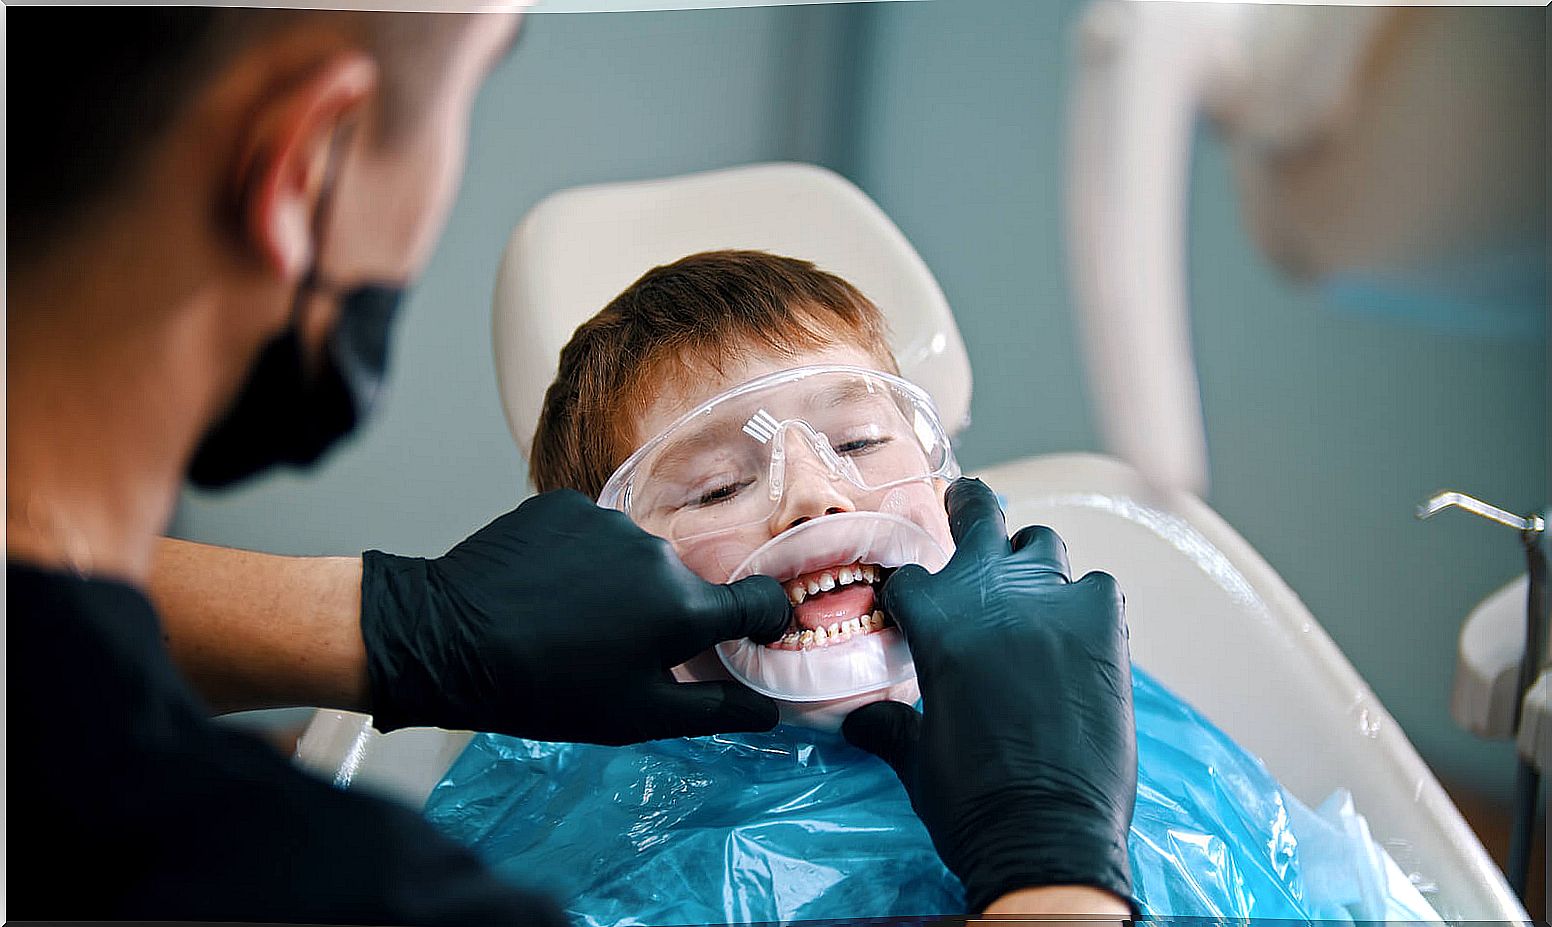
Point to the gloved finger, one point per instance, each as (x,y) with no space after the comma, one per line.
(697,709)
(755,607)
(558,509)
(905,599)
(1103,586)
(1042,548)
(889,731)
(975,519)
(550,518)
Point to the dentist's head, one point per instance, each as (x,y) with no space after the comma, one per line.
(212,213)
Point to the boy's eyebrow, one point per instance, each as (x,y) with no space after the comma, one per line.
(850,391)
(688,447)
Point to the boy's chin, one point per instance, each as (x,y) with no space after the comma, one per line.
(828,716)
(823,716)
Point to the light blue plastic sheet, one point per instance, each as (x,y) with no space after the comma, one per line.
(797,825)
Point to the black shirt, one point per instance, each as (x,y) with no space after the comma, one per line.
(125,802)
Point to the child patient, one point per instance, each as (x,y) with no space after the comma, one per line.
(720,487)
(811,422)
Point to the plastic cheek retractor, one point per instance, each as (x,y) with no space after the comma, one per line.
(835,650)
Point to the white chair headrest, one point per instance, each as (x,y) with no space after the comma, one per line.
(578,249)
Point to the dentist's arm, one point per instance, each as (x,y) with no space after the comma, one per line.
(1060,901)
(559,620)
(1022,763)
(253,630)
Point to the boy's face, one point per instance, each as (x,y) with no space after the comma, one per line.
(810,490)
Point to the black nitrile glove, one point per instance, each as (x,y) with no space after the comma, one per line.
(559,621)
(1023,761)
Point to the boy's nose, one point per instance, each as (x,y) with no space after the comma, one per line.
(808,491)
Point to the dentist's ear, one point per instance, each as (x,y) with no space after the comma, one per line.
(284,154)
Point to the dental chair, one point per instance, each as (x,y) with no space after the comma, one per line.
(1208,617)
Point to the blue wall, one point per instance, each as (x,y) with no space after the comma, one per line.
(1323,427)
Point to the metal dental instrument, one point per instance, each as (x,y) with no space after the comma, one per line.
(1451,499)
(1527,779)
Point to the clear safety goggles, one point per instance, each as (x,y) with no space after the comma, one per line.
(737,459)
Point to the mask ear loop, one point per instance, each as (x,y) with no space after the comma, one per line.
(313,282)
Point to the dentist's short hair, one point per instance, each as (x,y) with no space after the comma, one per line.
(95,88)
(673,324)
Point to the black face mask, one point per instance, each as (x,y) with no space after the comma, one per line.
(290,414)
(290,411)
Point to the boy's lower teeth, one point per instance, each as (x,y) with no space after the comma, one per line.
(837,633)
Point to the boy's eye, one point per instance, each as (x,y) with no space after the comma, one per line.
(721,493)
(859,446)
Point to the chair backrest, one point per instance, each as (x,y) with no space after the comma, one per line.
(579,248)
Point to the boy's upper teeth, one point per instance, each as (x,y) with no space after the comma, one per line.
(826,580)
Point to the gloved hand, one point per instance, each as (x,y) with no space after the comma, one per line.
(559,621)
(1023,761)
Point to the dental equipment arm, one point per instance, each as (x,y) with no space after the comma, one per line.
(1022,763)
(1274,79)
(558,621)
(1134,111)
(1368,143)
